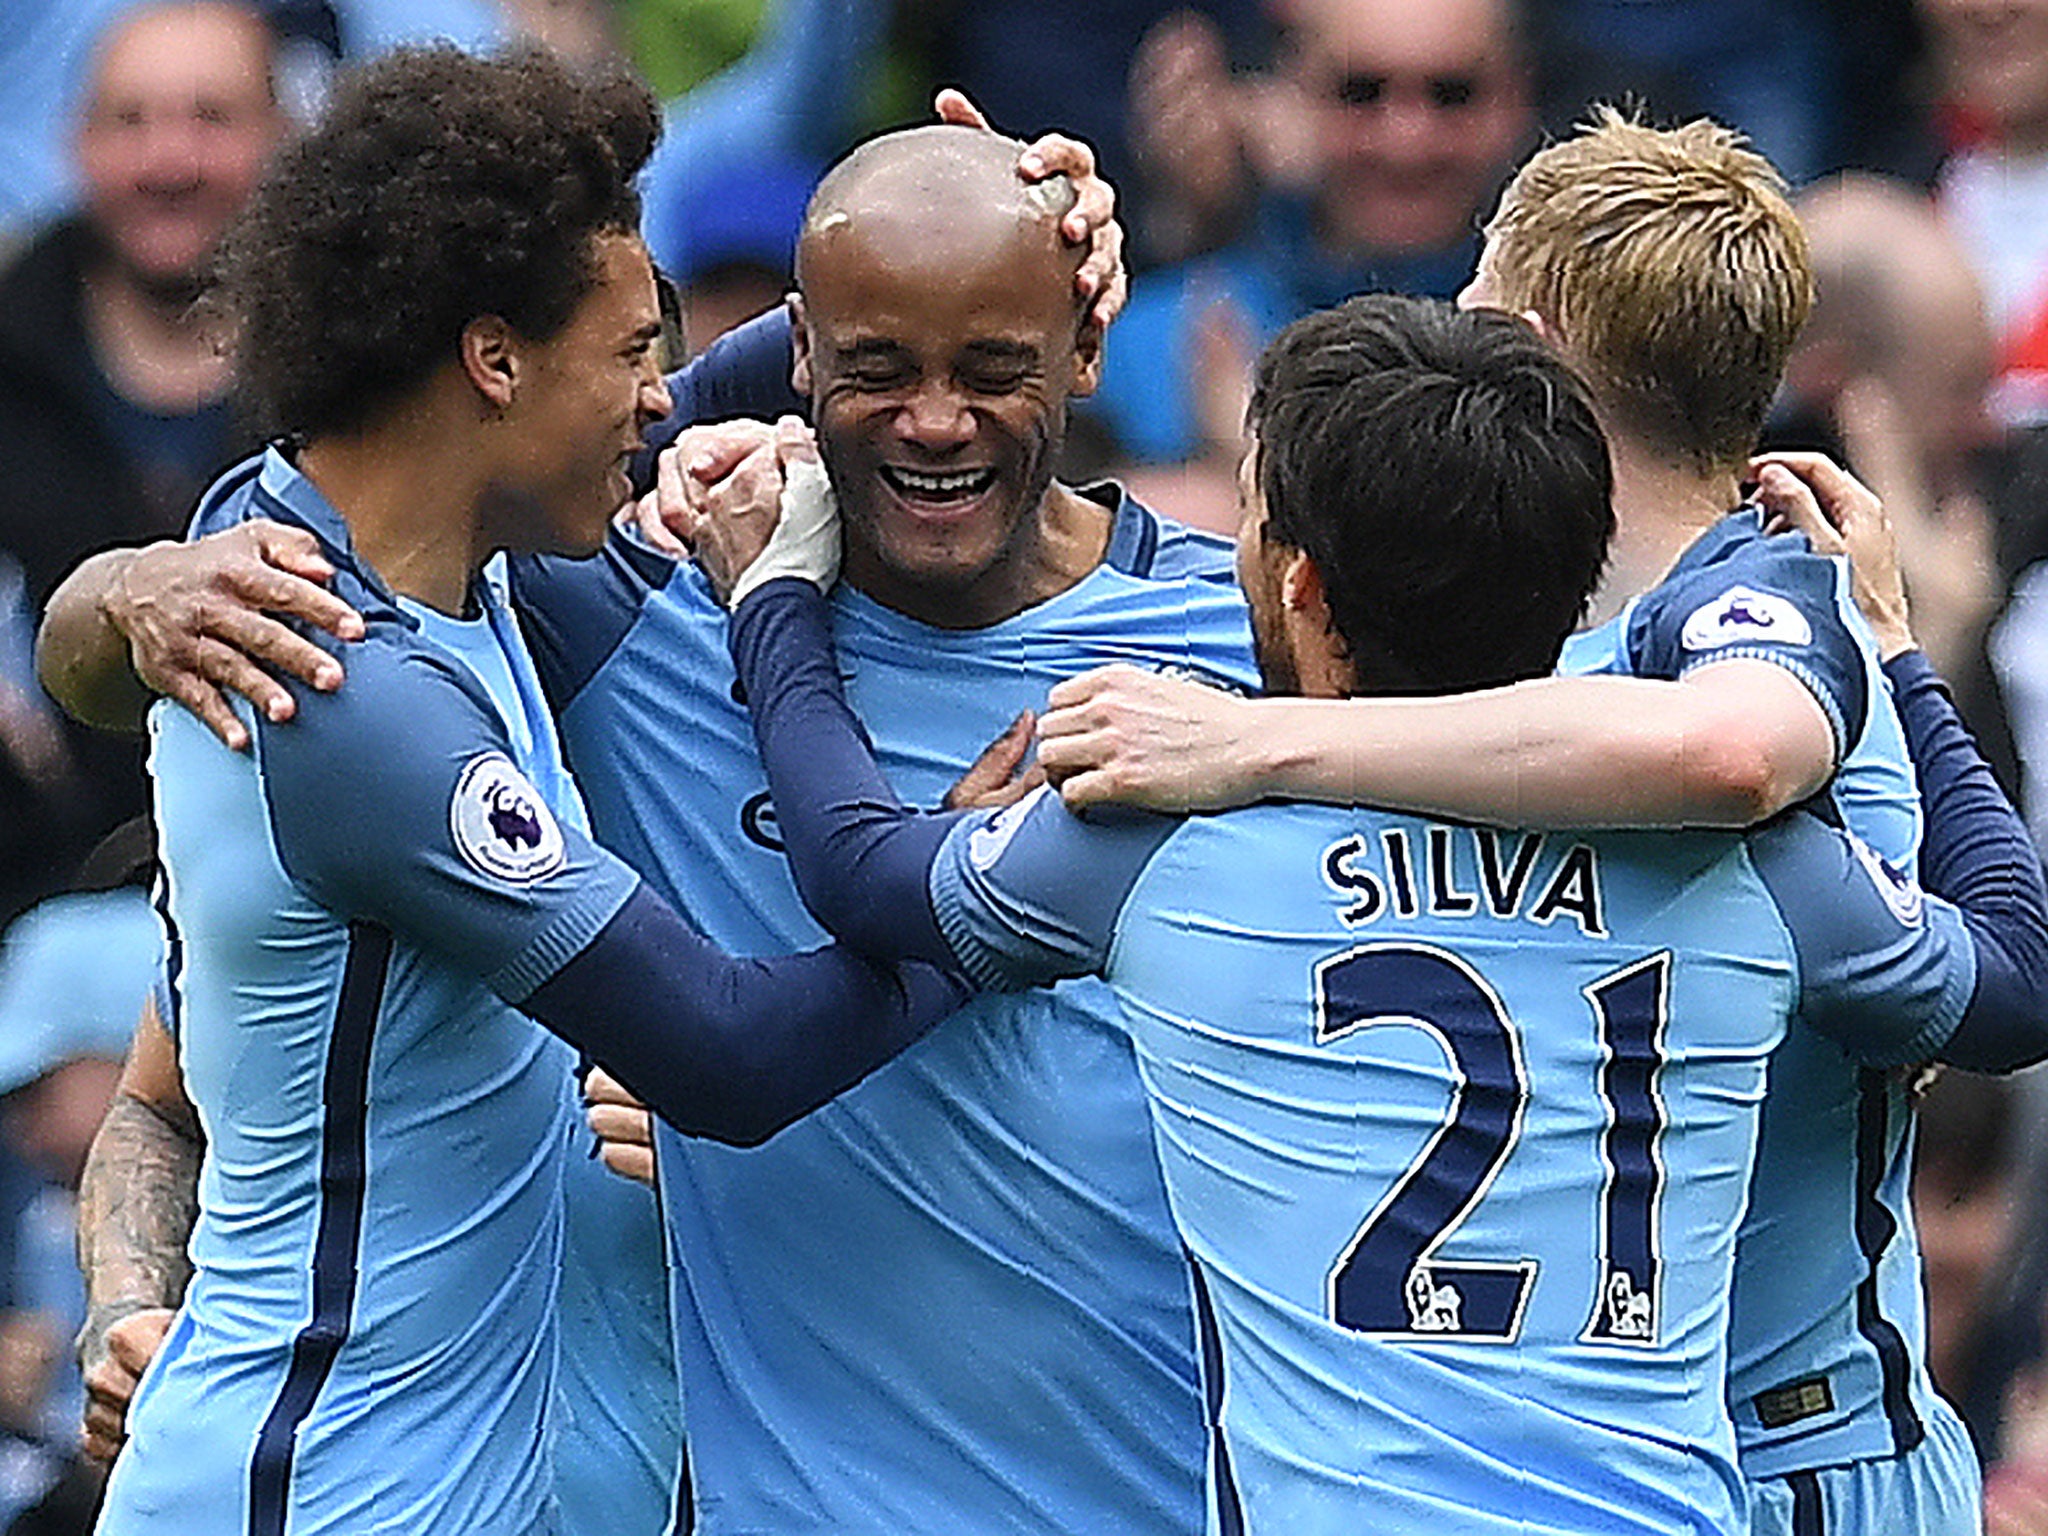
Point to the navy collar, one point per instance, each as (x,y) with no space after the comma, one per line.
(285,494)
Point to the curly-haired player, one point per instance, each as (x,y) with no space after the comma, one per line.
(441,306)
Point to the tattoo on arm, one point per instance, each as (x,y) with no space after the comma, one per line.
(136,1206)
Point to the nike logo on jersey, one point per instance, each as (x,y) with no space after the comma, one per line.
(985,844)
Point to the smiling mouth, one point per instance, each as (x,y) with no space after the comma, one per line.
(938,486)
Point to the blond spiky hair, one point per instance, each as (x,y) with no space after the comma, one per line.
(1673,270)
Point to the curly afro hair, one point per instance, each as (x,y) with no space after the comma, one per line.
(438,187)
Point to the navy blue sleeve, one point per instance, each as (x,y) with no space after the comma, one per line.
(743,373)
(1978,855)
(861,858)
(1013,898)
(1034,893)
(447,844)
(728,1048)
(1770,600)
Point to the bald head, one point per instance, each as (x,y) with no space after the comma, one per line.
(938,194)
(939,336)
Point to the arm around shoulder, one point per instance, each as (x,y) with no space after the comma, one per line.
(1726,746)
(81,657)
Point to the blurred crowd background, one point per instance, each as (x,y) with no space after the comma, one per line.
(1272,157)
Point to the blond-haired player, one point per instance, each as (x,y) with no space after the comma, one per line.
(1669,268)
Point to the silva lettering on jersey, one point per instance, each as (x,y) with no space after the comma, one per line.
(500,825)
(1464,872)
(1742,615)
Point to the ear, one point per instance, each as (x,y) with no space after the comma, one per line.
(491,360)
(1541,327)
(799,345)
(1087,357)
(1301,590)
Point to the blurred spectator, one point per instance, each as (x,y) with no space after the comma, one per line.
(73,975)
(1892,373)
(114,408)
(1032,65)
(2019,651)
(47,46)
(731,244)
(1767,67)
(113,392)
(1379,146)
(1992,56)
(792,100)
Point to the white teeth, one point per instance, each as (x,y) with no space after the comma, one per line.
(929,483)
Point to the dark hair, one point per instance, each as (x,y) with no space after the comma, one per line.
(1444,471)
(438,187)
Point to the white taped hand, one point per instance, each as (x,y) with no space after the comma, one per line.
(805,542)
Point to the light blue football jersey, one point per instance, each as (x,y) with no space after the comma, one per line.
(369,1340)
(1457,1125)
(1827,1347)
(618,1429)
(950,1301)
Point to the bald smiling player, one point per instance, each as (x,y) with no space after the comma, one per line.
(953,1299)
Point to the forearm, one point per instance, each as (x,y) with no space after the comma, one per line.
(1556,752)
(728,1048)
(1977,854)
(137,1203)
(81,657)
(861,858)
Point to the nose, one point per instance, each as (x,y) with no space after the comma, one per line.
(655,402)
(936,416)
(170,152)
(1408,132)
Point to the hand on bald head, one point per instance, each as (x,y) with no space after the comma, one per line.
(941,201)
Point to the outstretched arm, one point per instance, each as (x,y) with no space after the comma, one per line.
(1726,746)
(470,863)
(194,622)
(730,1048)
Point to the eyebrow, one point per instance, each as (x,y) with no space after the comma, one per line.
(998,350)
(868,346)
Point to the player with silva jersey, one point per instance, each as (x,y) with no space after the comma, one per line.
(1669,269)
(1456,1123)
(370,908)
